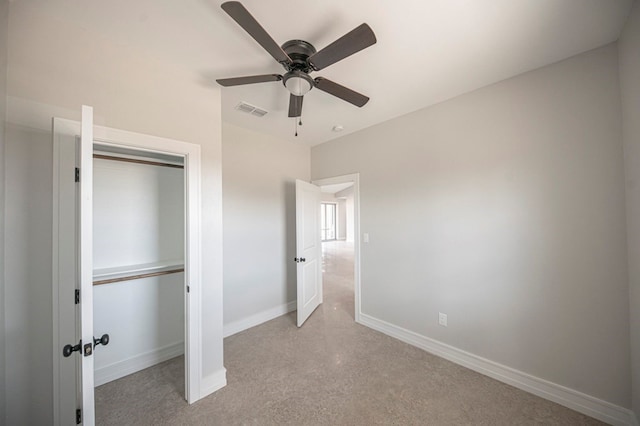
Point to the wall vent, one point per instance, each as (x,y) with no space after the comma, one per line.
(251,109)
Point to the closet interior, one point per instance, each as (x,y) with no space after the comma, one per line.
(138,257)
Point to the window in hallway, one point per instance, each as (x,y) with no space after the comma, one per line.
(328,221)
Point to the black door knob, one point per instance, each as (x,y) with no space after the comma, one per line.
(104,340)
(69,349)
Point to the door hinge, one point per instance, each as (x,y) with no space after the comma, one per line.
(77,174)
(78,416)
(188,289)
(77,296)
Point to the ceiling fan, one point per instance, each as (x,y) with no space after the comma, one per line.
(299,58)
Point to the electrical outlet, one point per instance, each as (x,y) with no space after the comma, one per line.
(442,319)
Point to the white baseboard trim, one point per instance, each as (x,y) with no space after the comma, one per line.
(578,401)
(212,383)
(257,319)
(128,366)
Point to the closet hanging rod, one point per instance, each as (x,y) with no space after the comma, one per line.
(137,276)
(135,160)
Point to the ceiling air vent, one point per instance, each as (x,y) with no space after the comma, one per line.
(251,109)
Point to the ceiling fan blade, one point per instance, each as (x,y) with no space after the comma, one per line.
(350,43)
(237,81)
(241,15)
(341,92)
(295,106)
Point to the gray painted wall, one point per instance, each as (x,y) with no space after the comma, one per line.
(349,211)
(504,208)
(258,186)
(53,76)
(4,32)
(28,276)
(341,221)
(629,58)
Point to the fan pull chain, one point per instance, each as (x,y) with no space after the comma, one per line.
(298,121)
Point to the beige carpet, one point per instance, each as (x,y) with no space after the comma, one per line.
(331,371)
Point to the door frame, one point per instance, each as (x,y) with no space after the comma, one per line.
(145,144)
(355,178)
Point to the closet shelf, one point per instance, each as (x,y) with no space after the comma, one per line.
(134,272)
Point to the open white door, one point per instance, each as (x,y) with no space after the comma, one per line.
(308,249)
(85,254)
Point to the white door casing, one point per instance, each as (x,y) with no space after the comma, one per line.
(308,249)
(72,257)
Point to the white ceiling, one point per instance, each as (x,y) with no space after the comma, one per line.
(427,51)
(336,187)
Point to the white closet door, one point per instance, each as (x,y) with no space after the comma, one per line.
(86,265)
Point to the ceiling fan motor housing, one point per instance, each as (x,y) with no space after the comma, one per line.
(299,51)
(297,80)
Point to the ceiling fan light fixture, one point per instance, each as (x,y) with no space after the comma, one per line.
(297,82)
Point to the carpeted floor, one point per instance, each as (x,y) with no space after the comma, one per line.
(331,371)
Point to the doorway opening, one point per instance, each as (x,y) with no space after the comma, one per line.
(115,273)
(340,245)
(138,272)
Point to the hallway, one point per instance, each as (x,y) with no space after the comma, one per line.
(337,277)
